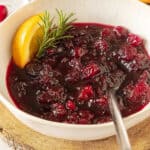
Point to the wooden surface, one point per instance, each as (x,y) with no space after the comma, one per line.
(21,137)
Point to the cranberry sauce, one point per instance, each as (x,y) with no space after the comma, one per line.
(70,83)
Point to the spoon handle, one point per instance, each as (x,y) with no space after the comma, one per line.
(122,135)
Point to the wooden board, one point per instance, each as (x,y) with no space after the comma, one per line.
(21,137)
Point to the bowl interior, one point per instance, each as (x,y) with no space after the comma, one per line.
(130,14)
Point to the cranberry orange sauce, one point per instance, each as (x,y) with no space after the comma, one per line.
(70,83)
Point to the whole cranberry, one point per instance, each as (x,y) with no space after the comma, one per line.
(127,52)
(90,70)
(106,32)
(101,45)
(134,40)
(58,110)
(70,105)
(3,12)
(138,93)
(120,32)
(142,61)
(102,102)
(73,118)
(75,63)
(86,93)
(141,92)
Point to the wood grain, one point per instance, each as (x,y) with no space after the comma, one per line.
(21,137)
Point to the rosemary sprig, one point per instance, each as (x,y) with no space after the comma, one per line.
(52,32)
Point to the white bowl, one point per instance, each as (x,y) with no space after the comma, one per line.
(129,13)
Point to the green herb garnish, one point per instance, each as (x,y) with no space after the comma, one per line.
(54,32)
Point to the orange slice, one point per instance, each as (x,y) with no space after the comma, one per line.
(25,43)
(145,1)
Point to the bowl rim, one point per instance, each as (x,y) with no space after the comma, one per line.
(10,105)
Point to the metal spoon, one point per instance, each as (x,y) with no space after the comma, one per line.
(121,132)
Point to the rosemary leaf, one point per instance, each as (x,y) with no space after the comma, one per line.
(54,32)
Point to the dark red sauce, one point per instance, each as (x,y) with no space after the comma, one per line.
(70,83)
